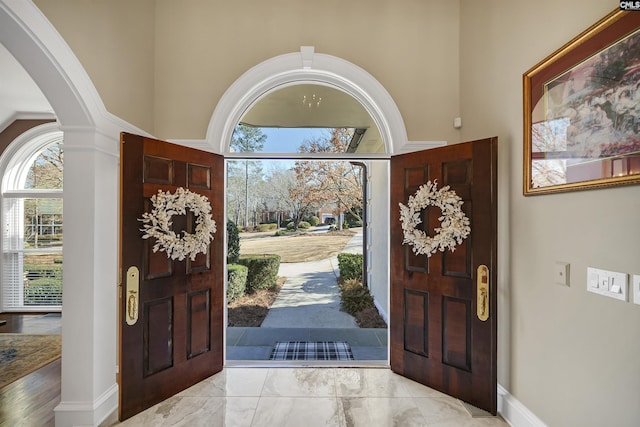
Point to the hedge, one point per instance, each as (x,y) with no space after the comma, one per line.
(37,271)
(350,266)
(267,227)
(44,291)
(237,283)
(354,297)
(263,270)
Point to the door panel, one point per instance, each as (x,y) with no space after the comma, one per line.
(436,335)
(177,340)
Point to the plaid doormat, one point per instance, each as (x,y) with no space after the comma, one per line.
(316,350)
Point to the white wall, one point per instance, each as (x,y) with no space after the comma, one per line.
(571,357)
(378,237)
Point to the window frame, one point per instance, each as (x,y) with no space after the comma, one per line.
(15,163)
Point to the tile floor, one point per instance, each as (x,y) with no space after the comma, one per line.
(309,397)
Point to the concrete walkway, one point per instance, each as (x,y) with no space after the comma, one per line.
(308,309)
(310,298)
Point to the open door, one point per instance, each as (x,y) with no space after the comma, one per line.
(443,329)
(171,311)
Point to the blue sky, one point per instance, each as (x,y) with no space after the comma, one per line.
(287,140)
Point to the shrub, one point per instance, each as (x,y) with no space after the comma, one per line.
(233,243)
(263,271)
(355,223)
(355,297)
(237,281)
(280,233)
(267,227)
(39,271)
(350,266)
(314,220)
(291,225)
(304,225)
(46,289)
(370,318)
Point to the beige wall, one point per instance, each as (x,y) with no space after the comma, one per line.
(203,46)
(114,41)
(568,355)
(411,47)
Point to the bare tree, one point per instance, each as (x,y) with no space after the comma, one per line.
(339,181)
(248,139)
(298,197)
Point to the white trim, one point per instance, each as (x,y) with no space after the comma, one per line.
(20,115)
(300,68)
(28,142)
(87,413)
(514,412)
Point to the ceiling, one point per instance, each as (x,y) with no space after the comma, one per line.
(20,97)
(315,105)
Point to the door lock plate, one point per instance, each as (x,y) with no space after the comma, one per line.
(482,279)
(133,290)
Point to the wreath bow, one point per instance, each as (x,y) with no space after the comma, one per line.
(454,224)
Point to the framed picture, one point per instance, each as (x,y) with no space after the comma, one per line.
(582,110)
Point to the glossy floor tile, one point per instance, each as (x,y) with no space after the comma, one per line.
(309,397)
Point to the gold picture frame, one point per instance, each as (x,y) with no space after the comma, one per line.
(582,110)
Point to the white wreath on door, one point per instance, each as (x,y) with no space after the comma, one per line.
(157,224)
(454,224)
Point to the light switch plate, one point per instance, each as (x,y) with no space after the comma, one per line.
(608,283)
(636,289)
(561,273)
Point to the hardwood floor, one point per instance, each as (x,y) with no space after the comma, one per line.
(30,400)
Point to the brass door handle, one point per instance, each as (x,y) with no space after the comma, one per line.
(482,285)
(133,289)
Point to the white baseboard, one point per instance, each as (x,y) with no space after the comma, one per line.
(87,413)
(514,412)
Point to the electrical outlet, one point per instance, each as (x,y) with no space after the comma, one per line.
(561,273)
(636,289)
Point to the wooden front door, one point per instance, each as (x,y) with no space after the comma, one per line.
(171,331)
(437,337)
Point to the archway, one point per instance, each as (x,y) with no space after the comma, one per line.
(89,390)
(308,67)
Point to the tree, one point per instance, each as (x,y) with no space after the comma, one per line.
(233,243)
(339,181)
(44,216)
(298,197)
(248,139)
(46,170)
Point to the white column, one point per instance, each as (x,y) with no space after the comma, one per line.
(89,314)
